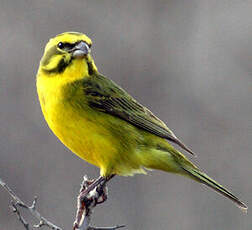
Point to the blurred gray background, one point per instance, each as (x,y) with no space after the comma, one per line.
(188,61)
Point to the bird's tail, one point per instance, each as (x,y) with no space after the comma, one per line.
(199,176)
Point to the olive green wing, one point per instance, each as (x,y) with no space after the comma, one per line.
(104,95)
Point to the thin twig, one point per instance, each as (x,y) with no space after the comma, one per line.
(20,217)
(17,202)
(107,228)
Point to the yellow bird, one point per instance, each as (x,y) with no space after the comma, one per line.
(101,123)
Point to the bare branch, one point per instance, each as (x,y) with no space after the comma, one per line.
(17,202)
(92,193)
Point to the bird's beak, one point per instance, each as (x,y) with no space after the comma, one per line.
(81,50)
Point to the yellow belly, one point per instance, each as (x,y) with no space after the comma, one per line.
(82,136)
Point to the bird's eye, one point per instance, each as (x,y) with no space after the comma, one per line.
(60,45)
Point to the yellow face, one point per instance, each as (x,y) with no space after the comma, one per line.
(62,50)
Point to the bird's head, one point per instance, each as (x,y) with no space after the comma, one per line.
(68,54)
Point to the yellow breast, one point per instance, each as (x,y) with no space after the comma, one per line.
(77,129)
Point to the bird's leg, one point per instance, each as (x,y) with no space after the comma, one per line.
(91,185)
(103,191)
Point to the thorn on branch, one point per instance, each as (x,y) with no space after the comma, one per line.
(34,203)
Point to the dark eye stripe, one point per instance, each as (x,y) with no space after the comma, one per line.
(69,46)
(66,46)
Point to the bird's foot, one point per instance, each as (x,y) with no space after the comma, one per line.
(92,192)
(89,185)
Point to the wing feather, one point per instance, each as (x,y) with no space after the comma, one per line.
(104,95)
